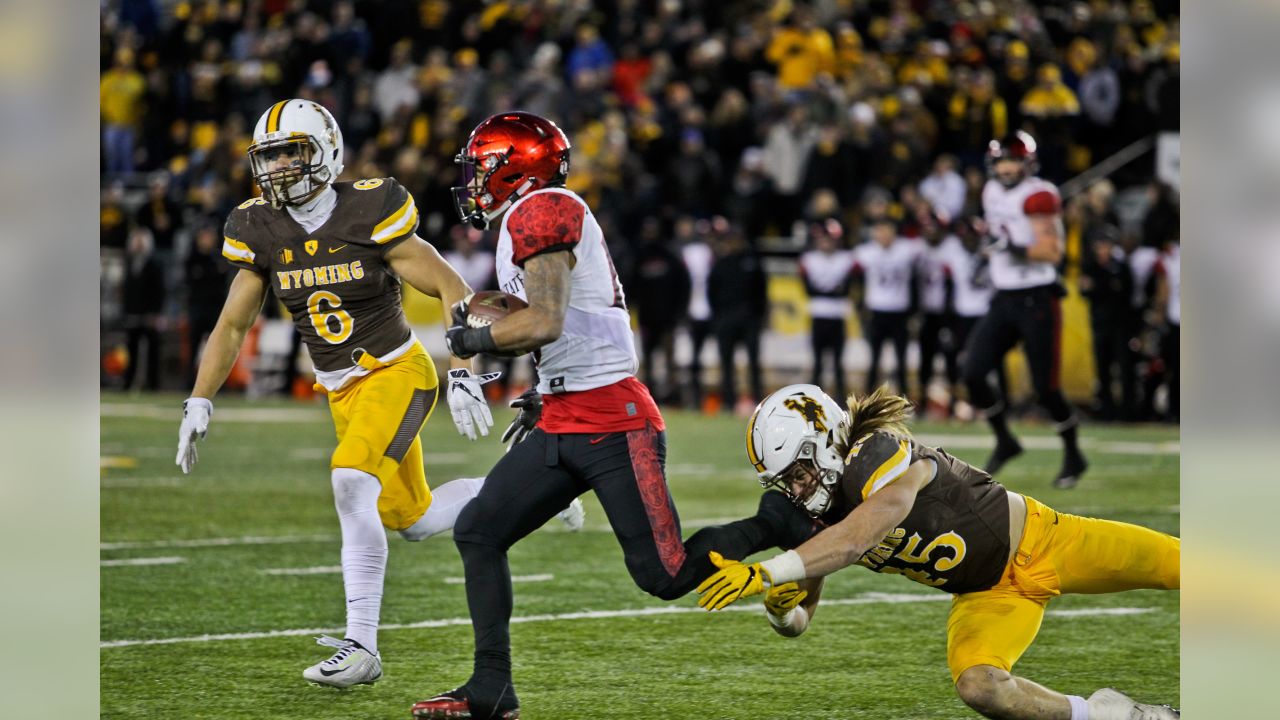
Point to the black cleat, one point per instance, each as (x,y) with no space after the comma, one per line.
(1006,450)
(1073,466)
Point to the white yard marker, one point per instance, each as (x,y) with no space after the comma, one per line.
(320,570)
(1091,612)
(514,578)
(217,542)
(1043,442)
(143,561)
(870,598)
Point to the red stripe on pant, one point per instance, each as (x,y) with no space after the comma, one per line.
(1055,367)
(652,484)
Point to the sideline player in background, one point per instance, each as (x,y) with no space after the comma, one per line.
(893,505)
(599,428)
(334,253)
(886,264)
(826,271)
(1024,225)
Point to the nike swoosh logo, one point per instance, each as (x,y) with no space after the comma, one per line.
(334,250)
(327,673)
(602,437)
(465,389)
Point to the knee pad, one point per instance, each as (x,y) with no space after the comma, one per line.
(355,491)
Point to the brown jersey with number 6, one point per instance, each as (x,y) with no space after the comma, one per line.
(334,281)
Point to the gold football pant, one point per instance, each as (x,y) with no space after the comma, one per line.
(1058,553)
(378,417)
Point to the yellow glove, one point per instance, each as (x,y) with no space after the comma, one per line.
(732,582)
(784,598)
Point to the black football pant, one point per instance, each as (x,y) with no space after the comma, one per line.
(887,326)
(1033,316)
(536,480)
(1110,345)
(730,332)
(699,332)
(828,339)
(938,335)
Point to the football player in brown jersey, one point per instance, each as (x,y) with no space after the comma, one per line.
(335,253)
(894,505)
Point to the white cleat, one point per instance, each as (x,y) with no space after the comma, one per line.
(573,516)
(1111,704)
(351,665)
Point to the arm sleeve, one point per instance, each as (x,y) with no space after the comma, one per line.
(237,247)
(876,461)
(398,217)
(1043,202)
(544,223)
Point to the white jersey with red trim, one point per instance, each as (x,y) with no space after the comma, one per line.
(887,272)
(1008,213)
(596,347)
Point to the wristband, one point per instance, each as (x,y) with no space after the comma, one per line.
(784,568)
(1017,251)
(478,340)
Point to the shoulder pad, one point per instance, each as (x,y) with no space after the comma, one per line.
(544,222)
(390,206)
(241,244)
(877,459)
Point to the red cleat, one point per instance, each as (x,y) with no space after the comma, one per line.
(453,705)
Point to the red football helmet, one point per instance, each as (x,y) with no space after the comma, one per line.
(506,157)
(1017,146)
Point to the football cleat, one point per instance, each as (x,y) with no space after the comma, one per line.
(350,665)
(454,705)
(1073,466)
(1006,450)
(1110,703)
(573,516)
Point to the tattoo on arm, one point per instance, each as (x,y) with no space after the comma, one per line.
(546,282)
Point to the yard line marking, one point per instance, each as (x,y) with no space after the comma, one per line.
(869,598)
(244,415)
(320,570)
(514,578)
(139,482)
(217,542)
(1089,612)
(1041,442)
(144,561)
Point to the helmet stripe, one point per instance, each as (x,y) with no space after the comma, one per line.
(273,117)
(751,448)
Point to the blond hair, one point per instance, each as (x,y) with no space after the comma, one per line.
(881,410)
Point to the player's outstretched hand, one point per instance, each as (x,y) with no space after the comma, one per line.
(467,404)
(530,406)
(195,425)
(731,583)
(784,598)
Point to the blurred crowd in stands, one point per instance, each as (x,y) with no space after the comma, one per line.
(707,136)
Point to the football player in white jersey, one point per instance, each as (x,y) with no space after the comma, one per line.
(886,263)
(599,428)
(1023,221)
(937,287)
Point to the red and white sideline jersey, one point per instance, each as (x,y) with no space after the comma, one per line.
(887,272)
(1008,212)
(587,375)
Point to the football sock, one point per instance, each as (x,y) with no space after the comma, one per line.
(1067,431)
(999,422)
(489,598)
(364,552)
(447,501)
(1079,707)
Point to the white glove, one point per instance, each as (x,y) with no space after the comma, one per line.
(467,403)
(195,424)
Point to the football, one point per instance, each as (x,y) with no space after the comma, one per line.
(488,306)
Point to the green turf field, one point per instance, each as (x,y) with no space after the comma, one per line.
(260,501)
